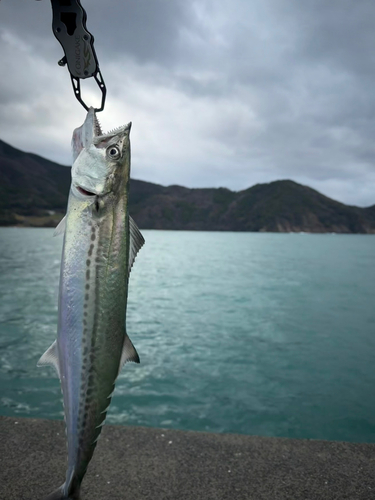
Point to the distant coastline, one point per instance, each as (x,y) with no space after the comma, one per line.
(34,193)
(47,220)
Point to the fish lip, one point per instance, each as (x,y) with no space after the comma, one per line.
(85,192)
(82,191)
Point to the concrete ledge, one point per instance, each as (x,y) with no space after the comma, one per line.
(137,463)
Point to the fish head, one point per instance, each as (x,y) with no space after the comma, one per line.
(101,162)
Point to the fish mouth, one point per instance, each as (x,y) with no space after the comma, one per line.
(84,191)
(98,133)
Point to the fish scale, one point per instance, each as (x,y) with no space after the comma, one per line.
(100,244)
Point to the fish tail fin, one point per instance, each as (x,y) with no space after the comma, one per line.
(59,494)
(68,491)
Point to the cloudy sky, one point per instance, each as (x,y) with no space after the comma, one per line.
(220,92)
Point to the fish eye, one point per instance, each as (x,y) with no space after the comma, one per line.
(113,152)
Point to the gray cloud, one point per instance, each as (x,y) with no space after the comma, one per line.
(221,93)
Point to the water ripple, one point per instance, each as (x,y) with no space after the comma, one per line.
(237,332)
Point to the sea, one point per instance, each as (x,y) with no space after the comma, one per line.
(253,333)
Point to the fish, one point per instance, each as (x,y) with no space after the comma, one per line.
(100,244)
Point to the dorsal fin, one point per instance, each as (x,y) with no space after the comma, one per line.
(50,358)
(136,241)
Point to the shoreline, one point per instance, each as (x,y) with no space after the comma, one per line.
(156,464)
(54,223)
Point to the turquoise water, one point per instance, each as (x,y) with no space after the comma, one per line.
(267,334)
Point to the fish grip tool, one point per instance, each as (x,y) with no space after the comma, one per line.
(69,27)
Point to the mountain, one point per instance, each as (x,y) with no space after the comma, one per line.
(33,191)
(280,206)
(30,185)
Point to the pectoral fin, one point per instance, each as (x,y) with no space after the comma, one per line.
(60,228)
(50,358)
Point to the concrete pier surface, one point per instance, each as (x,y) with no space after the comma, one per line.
(136,463)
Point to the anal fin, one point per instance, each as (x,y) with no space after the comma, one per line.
(50,358)
(128,353)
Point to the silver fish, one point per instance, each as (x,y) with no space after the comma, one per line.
(100,244)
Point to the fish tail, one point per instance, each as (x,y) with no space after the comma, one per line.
(68,491)
(59,494)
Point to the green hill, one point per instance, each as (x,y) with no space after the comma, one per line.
(34,191)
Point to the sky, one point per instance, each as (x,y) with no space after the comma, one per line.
(221,93)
